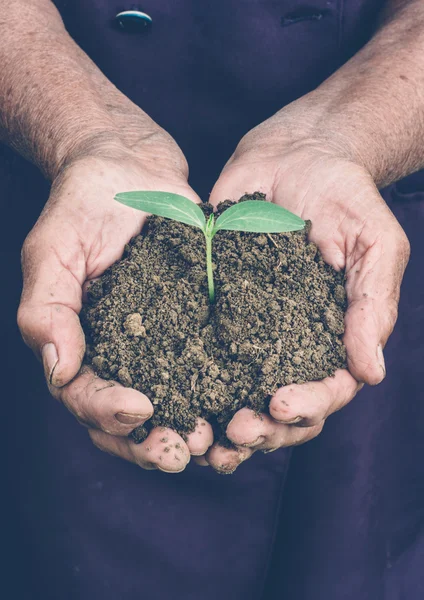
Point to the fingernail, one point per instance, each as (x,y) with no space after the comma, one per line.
(270,450)
(131,419)
(225,471)
(259,440)
(50,360)
(380,358)
(291,422)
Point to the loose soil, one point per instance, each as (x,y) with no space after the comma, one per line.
(277,320)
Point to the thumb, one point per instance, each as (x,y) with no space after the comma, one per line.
(238,179)
(50,303)
(373,287)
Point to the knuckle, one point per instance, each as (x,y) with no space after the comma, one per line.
(27,325)
(28,250)
(87,418)
(74,397)
(22,317)
(404,245)
(75,403)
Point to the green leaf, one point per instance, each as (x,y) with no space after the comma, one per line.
(258,217)
(164,204)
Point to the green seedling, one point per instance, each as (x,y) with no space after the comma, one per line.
(253,215)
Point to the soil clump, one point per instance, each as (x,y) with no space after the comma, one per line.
(277,320)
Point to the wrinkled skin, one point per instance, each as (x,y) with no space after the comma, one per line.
(355,230)
(82,231)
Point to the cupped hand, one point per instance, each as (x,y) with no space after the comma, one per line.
(354,230)
(80,233)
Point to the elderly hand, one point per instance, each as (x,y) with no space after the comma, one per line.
(81,232)
(354,230)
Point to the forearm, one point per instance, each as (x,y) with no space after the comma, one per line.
(55,104)
(372,109)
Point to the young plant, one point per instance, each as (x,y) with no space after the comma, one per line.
(255,216)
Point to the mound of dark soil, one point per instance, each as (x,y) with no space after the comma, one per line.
(278,319)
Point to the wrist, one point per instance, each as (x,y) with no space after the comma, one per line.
(306,127)
(342,128)
(150,148)
(101,142)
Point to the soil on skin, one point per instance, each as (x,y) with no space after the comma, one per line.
(278,319)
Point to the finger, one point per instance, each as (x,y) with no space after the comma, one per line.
(48,313)
(163,449)
(226,460)
(308,404)
(374,276)
(354,229)
(105,405)
(250,432)
(201,439)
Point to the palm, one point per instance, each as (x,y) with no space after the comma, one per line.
(80,233)
(96,226)
(355,231)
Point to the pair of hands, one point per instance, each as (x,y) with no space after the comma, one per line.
(82,231)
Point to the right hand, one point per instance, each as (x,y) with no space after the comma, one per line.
(79,234)
(355,231)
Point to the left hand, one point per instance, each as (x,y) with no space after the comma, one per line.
(354,230)
(80,233)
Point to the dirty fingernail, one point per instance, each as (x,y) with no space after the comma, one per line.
(225,471)
(259,440)
(130,419)
(270,450)
(291,421)
(380,358)
(50,360)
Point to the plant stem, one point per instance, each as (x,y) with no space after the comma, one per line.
(209,270)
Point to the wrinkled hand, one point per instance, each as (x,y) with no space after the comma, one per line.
(354,230)
(81,232)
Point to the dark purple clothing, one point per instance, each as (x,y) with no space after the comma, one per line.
(340,518)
